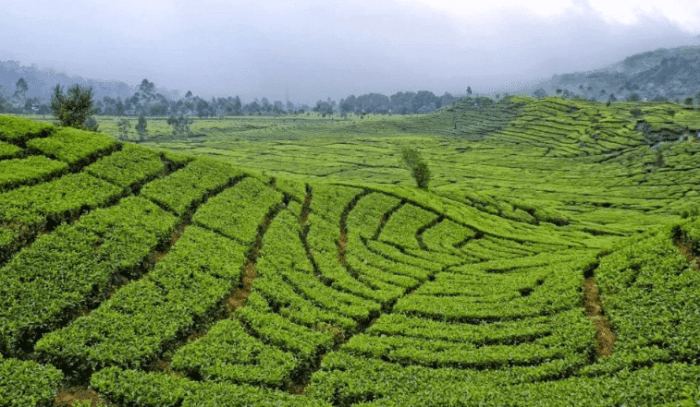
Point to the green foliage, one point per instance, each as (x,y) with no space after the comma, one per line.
(9,151)
(131,166)
(650,290)
(26,171)
(76,147)
(56,201)
(27,383)
(74,108)
(18,130)
(322,242)
(283,259)
(187,187)
(135,387)
(187,286)
(146,389)
(570,334)
(418,167)
(180,124)
(229,354)
(634,387)
(403,226)
(252,200)
(469,294)
(61,270)
(274,329)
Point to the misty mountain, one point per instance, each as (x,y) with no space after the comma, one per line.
(41,81)
(672,74)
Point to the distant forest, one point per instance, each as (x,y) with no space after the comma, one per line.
(664,74)
(28,90)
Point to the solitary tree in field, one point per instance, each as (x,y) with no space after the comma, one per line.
(123,125)
(141,127)
(74,108)
(418,167)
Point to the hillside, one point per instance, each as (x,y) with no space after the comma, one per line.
(553,261)
(671,74)
(41,82)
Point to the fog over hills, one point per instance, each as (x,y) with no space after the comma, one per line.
(671,74)
(661,74)
(283,49)
(41,80)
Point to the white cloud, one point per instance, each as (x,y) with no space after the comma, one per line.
(320,48)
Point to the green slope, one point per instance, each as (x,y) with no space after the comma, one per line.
(548,263)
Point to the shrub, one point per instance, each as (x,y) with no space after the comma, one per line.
(419,169)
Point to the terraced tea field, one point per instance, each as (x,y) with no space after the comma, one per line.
(552,262)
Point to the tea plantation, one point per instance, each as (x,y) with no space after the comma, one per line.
(553,261)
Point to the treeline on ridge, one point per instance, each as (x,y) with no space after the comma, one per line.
(149,101)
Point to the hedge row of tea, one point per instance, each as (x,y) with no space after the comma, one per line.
(118,260)
(609,170)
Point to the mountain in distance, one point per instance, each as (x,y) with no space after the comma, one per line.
(41,82)
(663,74)
(671,74)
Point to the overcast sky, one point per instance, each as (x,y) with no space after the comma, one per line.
(320,48)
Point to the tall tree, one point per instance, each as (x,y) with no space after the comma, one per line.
(348,105)
(147,87)
(21,89)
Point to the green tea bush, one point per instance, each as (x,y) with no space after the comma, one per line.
(419,169)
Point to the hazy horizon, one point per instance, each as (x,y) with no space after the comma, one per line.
(314,50)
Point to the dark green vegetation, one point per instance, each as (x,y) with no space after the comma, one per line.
(552,262)
(419,169)
(74,108)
